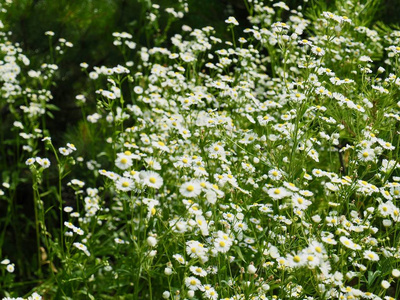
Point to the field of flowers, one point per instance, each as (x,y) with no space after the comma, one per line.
(265,166)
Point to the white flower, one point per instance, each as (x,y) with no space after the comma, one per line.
(222,245)
(366,154)
(349,243)
(153,163)
(251,269)
(385,284)
(93,75)
(318,51)
(152,179)
(278,193)
(64,151)
(138,90)
(76,182)
(296,260)
(30,161)
(365,58)
(190,294)
(300,202)
(44,162)
(192,283)
(82,247)
(195,249)
(125,184)
(198,271)
(370,255)
(190,189)
(187,57)
(123,161)
(210,292)
(281,4)
(232,20)
(168,271)
(35,296)
(71,146)
(275,174)
(152,241)
(316,218)
(395,273)
(10,268)
(179,258)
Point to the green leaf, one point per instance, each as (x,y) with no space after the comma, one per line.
(52,107)
(240,254)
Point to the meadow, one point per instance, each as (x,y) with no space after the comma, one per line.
(261,162)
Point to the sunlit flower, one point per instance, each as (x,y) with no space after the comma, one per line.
(123,161)
(192,283)
(152,179)
(370,255)
(190,189)
(124,184)
(198,271)
(278,193)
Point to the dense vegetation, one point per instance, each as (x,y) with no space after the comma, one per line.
(199,150)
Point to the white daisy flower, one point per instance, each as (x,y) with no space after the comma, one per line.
(190,189)
(192,283)
(125,184)
(278,193)
(152,179)
(370,255)
(123,161)
(30,161)
(198,271)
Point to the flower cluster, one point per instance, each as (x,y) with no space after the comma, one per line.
(265,170)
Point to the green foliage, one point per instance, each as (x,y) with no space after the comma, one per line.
(146,154)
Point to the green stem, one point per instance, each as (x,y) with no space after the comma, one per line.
(36,204)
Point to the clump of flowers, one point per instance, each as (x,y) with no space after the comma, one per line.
(263,167)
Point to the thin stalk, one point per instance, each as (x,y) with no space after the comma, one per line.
(36,204)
